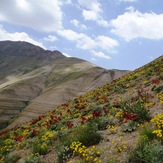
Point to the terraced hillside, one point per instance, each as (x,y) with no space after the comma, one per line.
(119,122)
(34,81)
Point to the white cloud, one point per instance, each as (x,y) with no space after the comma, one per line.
(77,24)
(66,1)
(100,54)
(85,42)
(127,0)
(130,9)
(50,38)
(67,55)
(90,15)
(91,5)
(103,23)
(18,36)
(106,42)
(82,40)
(43,15)
(93,59)
(134,24)
(69,34)
(93,11)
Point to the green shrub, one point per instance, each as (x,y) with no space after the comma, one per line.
(64,153)
(102,122)
(33,159)
(138,109)
(86,134)
(2,143)
(130,126)
(158,88)
(113,160)
(146,131)
(119,89)
(40,147)
(147,152)
(12,158)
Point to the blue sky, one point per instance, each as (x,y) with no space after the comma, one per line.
(113,34)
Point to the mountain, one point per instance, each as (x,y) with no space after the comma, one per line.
(120,121)
(34,81)
(22,57)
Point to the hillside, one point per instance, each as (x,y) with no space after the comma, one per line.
(34,81)
(118,122)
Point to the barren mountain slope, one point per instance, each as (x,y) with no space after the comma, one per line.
(36,81)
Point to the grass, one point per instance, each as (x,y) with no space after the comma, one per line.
(13,158)
(147,152)
(85,134)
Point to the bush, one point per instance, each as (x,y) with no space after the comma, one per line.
(137,109)
(34,158)
(147,152)
(12,158)
(129,127)
(40,147)
(146,131)
(64,153)
(102,122)
(158,89)
(113,160)
(86,134)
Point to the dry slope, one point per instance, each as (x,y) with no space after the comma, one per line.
(34,81)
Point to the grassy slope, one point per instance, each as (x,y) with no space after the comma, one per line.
(114,103)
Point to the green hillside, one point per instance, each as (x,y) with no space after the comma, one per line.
(118,122)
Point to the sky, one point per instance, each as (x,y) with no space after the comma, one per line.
(113,34)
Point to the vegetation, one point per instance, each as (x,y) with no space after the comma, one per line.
(147,152)
(119,122)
